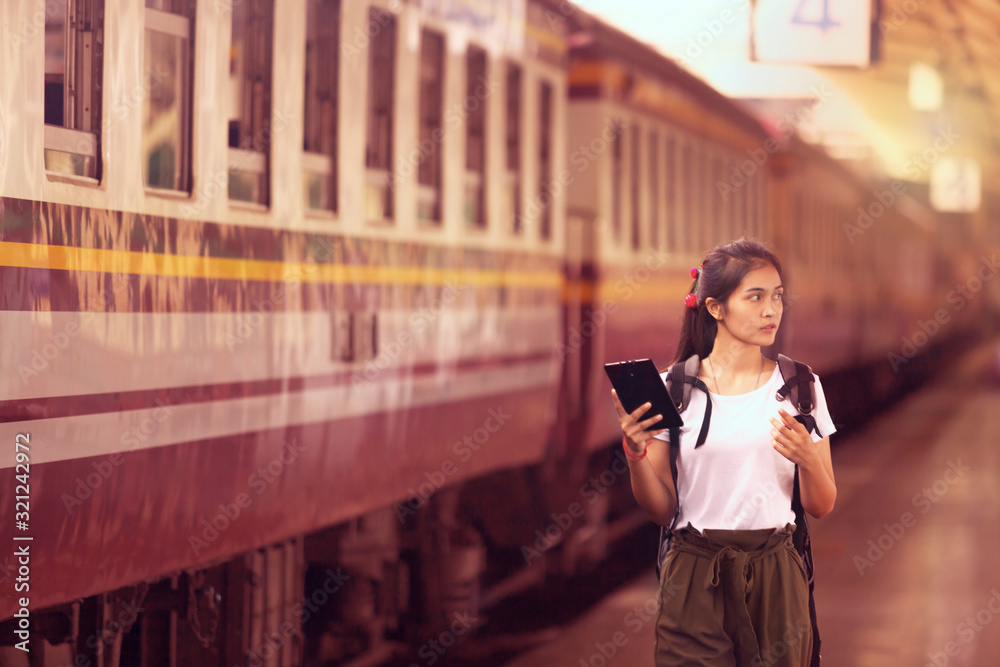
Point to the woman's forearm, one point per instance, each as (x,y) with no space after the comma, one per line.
(656,497)
(817,488)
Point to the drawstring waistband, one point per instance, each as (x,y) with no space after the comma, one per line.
(733,554)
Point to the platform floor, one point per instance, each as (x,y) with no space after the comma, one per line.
(908,564)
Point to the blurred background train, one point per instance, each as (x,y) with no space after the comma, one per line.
(304,307)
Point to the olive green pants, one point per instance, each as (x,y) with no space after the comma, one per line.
(733,598)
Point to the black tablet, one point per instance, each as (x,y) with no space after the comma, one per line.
(637,382)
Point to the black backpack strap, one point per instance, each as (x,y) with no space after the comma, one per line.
(692,366)
(800,389)
(681,378)
(803,545)
(666,532)
(679,392)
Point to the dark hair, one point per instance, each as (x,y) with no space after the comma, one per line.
(723,269)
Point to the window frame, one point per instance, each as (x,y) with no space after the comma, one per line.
(430,120)
(689,161)
(320,152)
(476,126)
(82,84)
(180,26)
(655,168)
(546,155)
(513,146)
(635,181)
(379,147)
(617,180)
(256,107)
(671,190)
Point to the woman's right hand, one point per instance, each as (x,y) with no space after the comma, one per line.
(636,435)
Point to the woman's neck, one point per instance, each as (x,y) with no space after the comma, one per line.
(735,358)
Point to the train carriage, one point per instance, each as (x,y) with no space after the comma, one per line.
(248,340)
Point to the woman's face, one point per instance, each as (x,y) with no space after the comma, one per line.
(753,311)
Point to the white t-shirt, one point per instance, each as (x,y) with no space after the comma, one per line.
(736,480)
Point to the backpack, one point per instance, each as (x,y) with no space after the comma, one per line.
(799,388)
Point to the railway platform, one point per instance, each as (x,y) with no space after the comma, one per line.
(907,567)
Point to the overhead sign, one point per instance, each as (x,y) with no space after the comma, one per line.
(813,32)
(955,185)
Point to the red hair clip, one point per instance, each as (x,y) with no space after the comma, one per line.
(691,300)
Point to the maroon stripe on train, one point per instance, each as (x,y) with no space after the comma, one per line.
(52,407)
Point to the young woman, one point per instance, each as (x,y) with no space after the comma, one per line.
(733,588)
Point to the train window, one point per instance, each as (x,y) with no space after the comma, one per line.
(992,209)
(431,126)
(512,191)
(719,222)
(732,207)
(617,180)
(320,123)
(670,179)
(744,201)
(73,53)
(167,68)
(831,233)
(735,206)
(545,159)
(822,237)
(250,65)
(690,219)
(654,190)
(810,229)
(830,245)
(706,195)
(475,139)
(764,223)
(381,87)
(635,183)
(840,249)
(798,224)
(819,232)
(822,243)
(827,248)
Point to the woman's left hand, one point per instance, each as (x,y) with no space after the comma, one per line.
(791,439)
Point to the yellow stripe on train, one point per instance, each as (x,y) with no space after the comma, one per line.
(37,256)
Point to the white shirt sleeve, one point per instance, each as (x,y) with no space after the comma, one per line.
(824,422)
(665,436)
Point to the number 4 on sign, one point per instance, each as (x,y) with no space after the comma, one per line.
(824,23)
